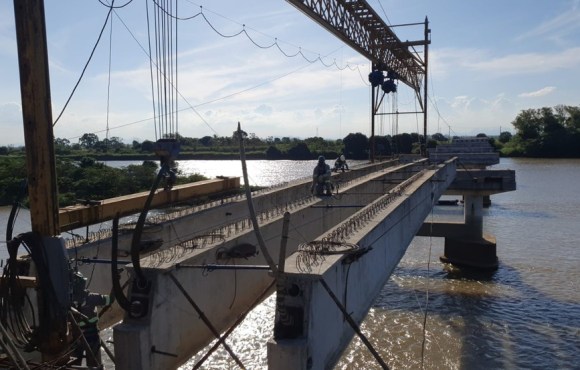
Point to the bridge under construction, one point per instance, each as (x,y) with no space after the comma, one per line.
(172,270)
(365,228)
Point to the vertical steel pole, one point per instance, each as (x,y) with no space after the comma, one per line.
(425,95)
(372,140)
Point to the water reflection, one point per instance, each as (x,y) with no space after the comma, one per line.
(474,322)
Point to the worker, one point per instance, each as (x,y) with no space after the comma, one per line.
(340,163)
(86,304)
(321,178)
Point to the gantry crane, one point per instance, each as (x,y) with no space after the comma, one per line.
(359,26)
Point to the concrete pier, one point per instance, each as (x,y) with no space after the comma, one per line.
(465,242)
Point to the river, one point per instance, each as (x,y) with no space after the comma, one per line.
(525,315)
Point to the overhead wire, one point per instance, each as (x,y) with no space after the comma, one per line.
(224,97)
(384,12)
(109,75)
(111,6)
(244,31)
(436,107)
(86,64)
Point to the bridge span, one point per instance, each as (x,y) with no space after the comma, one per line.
(207,271)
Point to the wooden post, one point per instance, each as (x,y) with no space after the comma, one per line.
(37,115)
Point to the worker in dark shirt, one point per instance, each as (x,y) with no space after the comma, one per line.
(86,304)
(321,178)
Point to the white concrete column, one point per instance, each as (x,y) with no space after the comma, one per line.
(473,215)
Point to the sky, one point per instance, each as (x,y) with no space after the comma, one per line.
(487,62)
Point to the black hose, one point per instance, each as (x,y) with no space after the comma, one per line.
(115,275)
(14,210)
(136,241)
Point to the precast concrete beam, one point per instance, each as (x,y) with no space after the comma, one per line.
(198,226)
(171,324)
(310,331)
(482,182)
(162,230)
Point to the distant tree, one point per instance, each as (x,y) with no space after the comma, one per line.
(273,153)
(356,146)
(101,145)
(416,138)
(206,141)
(147,146)
(88,141)
(505,136)
(528,124)
(116,143)
(438,137)
(300,151)
(481,135)
(570,117)
(382,146)
(61,142)
(87,162)
(4,150)
(62,146)
(404,143)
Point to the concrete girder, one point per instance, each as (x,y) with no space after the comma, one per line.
(322,334)
(216,293)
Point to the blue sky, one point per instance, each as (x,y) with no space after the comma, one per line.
(488,61)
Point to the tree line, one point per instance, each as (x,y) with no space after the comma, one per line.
(549,132)
(83,180)
(544,132)
(354,146)
(82,177)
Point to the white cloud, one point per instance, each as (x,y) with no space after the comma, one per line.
(528,63)
(557,28)
(542,92)
(462,102)
(448,61)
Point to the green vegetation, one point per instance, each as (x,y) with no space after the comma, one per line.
(355,146)
(83,180)
(545,132)
(82,177)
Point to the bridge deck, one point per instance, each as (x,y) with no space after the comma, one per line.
(311,218)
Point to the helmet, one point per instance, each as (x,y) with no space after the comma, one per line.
(342,158)
(321,159)
(79,284)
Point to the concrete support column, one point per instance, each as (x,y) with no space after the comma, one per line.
(473,215)
(288,350)
(471,248)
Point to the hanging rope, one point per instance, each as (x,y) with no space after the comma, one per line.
(163,65)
